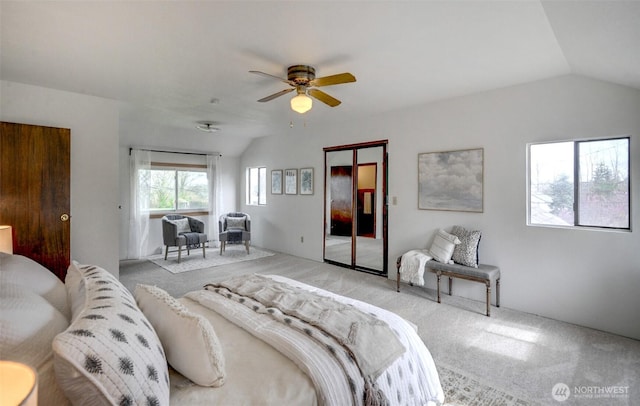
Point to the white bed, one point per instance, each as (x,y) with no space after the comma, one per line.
(252,372)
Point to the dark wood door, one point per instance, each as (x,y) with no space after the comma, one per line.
(341,200)
(35,192)
(366,213)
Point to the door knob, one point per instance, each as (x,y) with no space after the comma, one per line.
(64,217)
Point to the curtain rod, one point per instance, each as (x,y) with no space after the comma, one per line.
(174,152)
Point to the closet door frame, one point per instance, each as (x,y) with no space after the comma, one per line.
(383,190)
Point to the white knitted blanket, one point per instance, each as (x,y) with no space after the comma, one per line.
(412,266)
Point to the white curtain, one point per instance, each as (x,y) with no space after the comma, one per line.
(140,194)
(215,197)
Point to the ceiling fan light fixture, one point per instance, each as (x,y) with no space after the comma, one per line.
(301,103)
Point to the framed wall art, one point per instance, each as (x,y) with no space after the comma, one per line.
(291,181)
(276,182)
(451,180)
(306,181)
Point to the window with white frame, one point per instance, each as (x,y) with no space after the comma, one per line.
(257,186)
(580,183)
(176,189)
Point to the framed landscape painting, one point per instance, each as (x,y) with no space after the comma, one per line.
(276,182)
(306,181)
(451,180)
(290,181)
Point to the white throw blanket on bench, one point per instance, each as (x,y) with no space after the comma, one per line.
(412,266)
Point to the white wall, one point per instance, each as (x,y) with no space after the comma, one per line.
(94,162)
(584,277)
(228,180)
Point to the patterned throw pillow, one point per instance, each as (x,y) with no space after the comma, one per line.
(443,245)
(182,225)
(189,340)
(466,253)
(110,354)
(236,222)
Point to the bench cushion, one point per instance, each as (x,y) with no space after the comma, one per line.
(490,272)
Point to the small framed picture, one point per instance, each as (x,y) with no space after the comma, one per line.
(291,181)
(306,181)
(276,182)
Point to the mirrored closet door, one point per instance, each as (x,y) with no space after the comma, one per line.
(355,232)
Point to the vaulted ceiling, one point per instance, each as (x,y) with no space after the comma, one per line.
(174,63)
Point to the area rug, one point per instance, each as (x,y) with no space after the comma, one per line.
(233,253)
(462,390)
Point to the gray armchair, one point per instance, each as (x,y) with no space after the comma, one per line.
(183,231)
(234,228)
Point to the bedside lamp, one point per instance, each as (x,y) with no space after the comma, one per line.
(6,240)
(18,384)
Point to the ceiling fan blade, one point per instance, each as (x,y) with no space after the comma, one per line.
(257,72)
(333,80)
(323,97)
(273,96)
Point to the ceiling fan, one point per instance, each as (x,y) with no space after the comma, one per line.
(302,79)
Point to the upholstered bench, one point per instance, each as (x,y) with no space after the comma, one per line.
(486,274)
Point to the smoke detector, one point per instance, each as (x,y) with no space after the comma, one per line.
(207,126)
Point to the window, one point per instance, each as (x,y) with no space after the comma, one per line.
(257,186)
(176,189)
(580,183)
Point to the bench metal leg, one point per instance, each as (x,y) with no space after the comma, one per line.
(439,275)
(450,286)
(498,292)
(398,262)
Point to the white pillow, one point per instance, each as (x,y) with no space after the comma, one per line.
(25,271)
(28,324)
(182,225)
(76,295)
(191,344)
(443,245)
(110,354)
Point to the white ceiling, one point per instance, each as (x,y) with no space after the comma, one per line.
(166,61)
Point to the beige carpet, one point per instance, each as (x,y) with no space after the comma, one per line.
(510,358)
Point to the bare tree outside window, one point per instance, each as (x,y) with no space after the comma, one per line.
(580,183)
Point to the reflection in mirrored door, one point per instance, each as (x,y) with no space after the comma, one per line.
(369,209)
(338,206)
(355,206)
